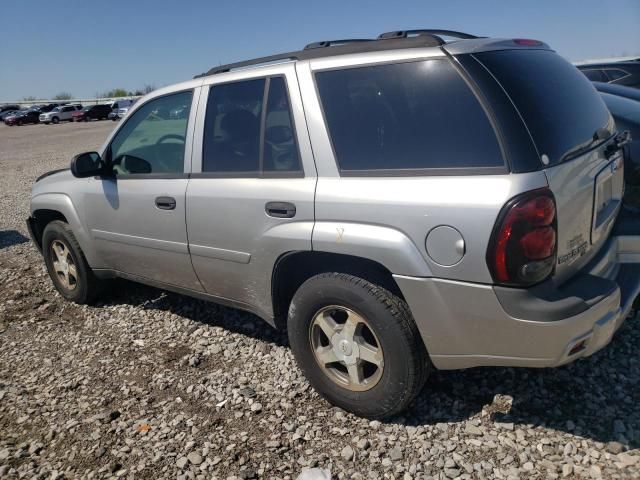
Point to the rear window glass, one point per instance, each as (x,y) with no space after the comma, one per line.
(406,116)
(560,106)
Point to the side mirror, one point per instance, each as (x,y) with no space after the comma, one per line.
(88,164)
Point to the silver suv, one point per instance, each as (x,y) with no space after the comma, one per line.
(398,205)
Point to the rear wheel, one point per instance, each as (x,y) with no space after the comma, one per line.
(357,344)
(66,264)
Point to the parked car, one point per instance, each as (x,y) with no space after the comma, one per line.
(92,112)
(618,73)
(59,114)
(626,113)
(119,108)
(7,113)
(6,108)
(118,113)
(47,108)
(397,205)
(23,117)
(618,90)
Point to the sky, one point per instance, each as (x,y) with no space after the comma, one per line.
(85,47)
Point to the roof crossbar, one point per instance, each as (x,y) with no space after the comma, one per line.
(332,43)
(435,33)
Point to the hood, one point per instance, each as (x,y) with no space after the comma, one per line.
(53,176)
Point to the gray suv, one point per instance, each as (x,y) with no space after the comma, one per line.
(397,205)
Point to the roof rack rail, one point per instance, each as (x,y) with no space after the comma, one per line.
(435,33)
(332,43)
(250,63)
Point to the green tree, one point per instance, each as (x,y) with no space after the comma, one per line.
(63,96)
(30,98)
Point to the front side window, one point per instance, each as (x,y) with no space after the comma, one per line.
(246,136)
(151,141)
(406,116)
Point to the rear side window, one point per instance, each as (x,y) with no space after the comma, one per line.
(559,105)
(407,116)
(615,74)
(595,75)
(249,129)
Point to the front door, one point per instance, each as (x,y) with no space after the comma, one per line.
(250,197)
(137,216)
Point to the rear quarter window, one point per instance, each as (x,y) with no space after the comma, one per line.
(404,117)
(559,105)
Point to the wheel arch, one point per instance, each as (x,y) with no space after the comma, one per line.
(47,207)
(292,269)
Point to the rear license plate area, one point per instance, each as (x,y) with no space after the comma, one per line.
(609,188)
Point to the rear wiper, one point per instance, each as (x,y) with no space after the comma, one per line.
(600,135)
(619,141)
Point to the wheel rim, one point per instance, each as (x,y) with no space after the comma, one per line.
(346,348)
(63,265)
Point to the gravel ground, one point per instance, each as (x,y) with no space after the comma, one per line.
(149,384)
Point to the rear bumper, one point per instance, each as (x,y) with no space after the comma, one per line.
(467,325)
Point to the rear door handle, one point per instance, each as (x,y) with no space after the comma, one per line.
(166,203)
(280,209)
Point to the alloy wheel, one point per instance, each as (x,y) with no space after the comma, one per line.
(63,265)
(346,348)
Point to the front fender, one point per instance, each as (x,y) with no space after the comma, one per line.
(62,203)
(387,246)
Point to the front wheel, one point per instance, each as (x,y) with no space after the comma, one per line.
(357,344)
(55,120)
(66,264)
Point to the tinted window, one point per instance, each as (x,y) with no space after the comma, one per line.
(280,149)
(595,75)
(150,141)
(560,106)
(234,129)
(406,116)
(615,74)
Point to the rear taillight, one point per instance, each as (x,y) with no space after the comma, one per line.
(523,245)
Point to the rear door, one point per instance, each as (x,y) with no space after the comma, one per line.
(572,129)
(250,196)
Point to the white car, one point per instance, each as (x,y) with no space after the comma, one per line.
(58,114)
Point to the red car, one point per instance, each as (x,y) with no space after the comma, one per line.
(22,117)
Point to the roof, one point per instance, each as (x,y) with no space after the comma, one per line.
(631,64)
(386,41)
(607,61)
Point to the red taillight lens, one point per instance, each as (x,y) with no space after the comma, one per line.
(522,250)
(539,243)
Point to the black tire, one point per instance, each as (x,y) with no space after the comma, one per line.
(55,120)
(406,362)
(87,286)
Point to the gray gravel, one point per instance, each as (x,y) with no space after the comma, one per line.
(150,384)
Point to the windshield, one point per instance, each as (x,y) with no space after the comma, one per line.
(86,109)
(57,109)
(559,105)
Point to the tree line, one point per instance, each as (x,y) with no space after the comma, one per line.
(114,92)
